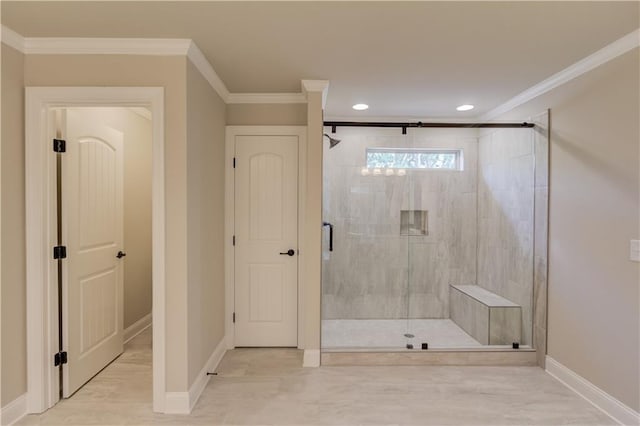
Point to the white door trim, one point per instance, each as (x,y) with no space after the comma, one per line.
(229,216)
(42,309)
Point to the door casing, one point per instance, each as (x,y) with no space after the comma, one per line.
(231,133)
(41,218)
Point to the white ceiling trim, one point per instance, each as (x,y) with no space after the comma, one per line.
(105,46)
(602,56)
(186,47)
(141,46)
(12,39)
(267,98)
(316,86)
(200,61)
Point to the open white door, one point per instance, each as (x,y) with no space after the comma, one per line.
(266,235)
(92,229)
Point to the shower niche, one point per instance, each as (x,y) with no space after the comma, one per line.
(430,252)
(414,222)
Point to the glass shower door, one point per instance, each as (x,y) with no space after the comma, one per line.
(364,266)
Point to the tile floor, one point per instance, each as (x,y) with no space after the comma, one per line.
(268,386)
(438,333)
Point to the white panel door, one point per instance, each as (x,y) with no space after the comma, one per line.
(266,228)
(92,226)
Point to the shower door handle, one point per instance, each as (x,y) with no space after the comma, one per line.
(330,234)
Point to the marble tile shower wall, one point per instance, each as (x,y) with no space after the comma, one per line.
(506,219)
(374,272)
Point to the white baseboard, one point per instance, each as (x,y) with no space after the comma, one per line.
(14,411)
(137,327)
(311,358)
(596,396)
(176,403)
(202,379)
(183,402)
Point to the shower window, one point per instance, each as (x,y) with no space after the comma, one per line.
(411,158)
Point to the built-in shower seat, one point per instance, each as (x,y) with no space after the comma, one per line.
(487,317)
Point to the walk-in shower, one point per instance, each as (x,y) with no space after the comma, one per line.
(434,236)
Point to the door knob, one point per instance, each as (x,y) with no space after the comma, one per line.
(121,254)
(289,252)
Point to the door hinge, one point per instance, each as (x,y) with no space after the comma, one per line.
(234,162)
(234,240)
(234,317)
(59,145)
(59,358)
(60,252)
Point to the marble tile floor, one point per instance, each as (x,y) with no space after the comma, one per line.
(269,387)
(438,333)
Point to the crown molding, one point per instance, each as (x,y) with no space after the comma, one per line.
(316,86)
(12,39)
(602,56)
(105,46)
(267,98)
(186,47)
(200,61)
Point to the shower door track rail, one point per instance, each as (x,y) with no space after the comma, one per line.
(420,124)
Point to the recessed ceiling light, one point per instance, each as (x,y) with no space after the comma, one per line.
(465,107)
(360,107)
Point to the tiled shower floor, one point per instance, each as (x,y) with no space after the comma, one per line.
(438,333)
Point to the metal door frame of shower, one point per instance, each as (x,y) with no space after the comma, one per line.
(421,125)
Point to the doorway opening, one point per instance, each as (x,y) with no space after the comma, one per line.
(95,200)
(103,171)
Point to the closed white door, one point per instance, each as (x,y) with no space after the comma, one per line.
(266,232)
(92,220)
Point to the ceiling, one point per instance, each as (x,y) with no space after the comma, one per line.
(405,59)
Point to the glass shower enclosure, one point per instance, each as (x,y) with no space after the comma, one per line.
(428,240)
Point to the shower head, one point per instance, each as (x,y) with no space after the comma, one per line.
(332,142)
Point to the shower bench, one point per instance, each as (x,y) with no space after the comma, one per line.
(487,317)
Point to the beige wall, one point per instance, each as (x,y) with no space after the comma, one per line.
(13,321)
(170,73)
(205,220)
(594,311)
(267,114)
(137,206)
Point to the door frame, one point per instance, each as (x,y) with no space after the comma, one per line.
(229,218)
(42,294)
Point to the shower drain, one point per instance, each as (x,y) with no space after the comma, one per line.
(409,335)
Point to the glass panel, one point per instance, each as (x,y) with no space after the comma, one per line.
(506,166)
(443,259)
(471,276)
(446,254)
(364,281)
